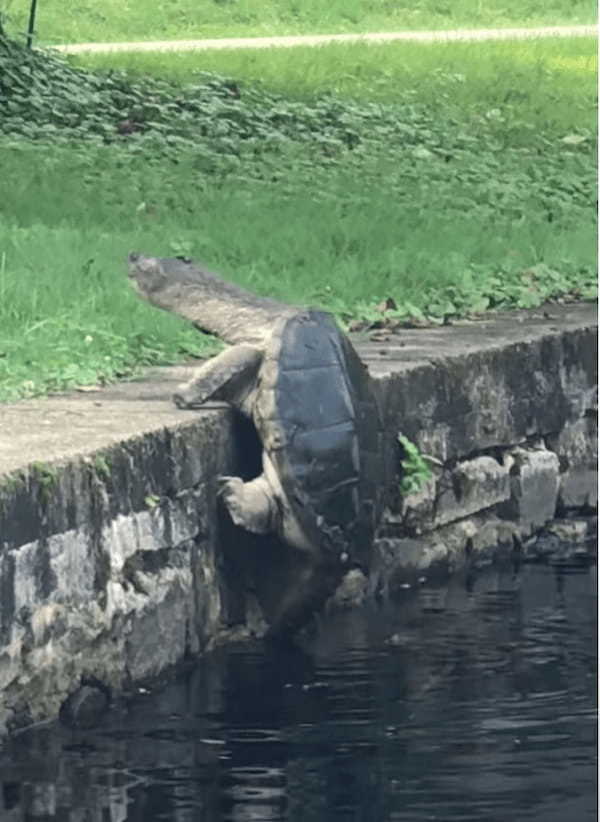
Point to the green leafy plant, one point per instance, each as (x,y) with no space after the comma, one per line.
(102,467)
(13,483)
(416,470)
(181,248)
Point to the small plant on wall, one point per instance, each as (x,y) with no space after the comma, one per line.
(415,467)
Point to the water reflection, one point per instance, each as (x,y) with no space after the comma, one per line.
(472,701)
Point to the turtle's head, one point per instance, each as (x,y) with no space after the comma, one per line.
(147,275)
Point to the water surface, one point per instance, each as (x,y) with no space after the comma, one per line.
(474,701)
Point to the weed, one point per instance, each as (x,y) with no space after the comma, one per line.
(102,467)
(45,476)
(13,483)
(416,470)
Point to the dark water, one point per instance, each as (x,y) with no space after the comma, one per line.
(482,706)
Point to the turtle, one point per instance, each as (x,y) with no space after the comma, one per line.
(295,374)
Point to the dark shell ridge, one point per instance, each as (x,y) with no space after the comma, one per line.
(316,394)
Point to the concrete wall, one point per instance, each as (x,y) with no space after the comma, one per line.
(116,563)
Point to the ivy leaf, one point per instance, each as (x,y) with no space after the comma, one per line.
(422,153)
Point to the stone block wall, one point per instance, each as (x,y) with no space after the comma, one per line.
(512,430)
(110,565)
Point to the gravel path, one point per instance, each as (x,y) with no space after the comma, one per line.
(320,39)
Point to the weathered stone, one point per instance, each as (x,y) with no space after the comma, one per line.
(156,632)
(351,591)
(402,561)
(573,531)
(414,512)
(579,488)
(488,384)
(472,486)
(577,449)
(137,607)
(450,495)
(534,488)
(565,542)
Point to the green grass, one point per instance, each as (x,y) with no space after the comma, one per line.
(112,20)
(547,84)
(67,315)
(450,194)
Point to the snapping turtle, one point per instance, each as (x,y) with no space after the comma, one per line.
(299,379)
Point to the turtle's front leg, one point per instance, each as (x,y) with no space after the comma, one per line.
(222,377)
(251,504)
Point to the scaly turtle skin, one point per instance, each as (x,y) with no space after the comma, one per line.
(298,377)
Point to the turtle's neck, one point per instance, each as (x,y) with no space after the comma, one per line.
(209,302)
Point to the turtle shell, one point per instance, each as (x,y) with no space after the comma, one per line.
(319,422)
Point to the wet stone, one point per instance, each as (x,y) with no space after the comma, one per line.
(84,708)
(402,561)
(572,531)
(534,476)
(577,449)
(351,591)
(451,495)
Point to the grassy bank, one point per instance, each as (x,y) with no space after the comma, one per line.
(545,84)
(71,21)
(448,194)
(67,315)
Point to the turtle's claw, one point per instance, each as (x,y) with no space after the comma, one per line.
(250,504)
(184,400)
(225,478)
(228,484)
(180,401)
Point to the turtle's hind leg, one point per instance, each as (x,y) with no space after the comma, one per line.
(251,504)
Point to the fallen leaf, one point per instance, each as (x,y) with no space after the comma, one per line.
(379,336)
(389,304)
(128,126)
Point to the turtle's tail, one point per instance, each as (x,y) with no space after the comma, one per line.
(316,584)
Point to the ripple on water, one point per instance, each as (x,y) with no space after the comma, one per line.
(467,702)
